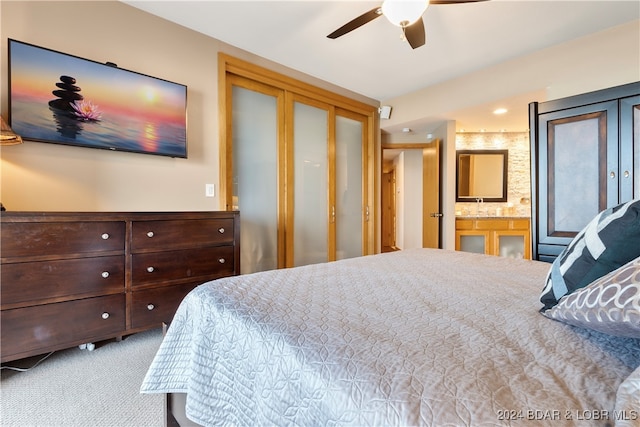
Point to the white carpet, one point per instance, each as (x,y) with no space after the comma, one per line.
(83,388)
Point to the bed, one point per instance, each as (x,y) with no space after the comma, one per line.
(415,337)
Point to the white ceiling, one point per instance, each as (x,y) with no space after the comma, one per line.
(374,61)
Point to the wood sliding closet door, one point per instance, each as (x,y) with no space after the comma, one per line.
(297,167)
(254,178)
(310,216)
(350,198)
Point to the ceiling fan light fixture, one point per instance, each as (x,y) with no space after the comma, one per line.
(403,13)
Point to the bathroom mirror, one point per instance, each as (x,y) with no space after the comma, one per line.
(481,174)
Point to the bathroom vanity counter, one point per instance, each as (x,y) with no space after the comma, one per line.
(492,235)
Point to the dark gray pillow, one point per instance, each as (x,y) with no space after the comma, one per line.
(609,241)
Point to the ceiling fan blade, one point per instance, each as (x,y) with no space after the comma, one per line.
(355,23)
(454,1)
(415,34)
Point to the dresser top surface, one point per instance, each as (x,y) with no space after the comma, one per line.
(32,216)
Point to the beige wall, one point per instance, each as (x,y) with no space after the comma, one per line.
(39,176)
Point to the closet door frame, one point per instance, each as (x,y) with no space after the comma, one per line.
(235,71)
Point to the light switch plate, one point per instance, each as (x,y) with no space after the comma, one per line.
(209,190)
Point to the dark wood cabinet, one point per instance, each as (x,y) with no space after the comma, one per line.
(584,159)
(75,278)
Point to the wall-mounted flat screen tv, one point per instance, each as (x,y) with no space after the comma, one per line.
(64,99)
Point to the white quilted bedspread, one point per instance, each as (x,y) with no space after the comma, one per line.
(416,337)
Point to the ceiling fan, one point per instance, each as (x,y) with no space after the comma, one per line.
(406,14)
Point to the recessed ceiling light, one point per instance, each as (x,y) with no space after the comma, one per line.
(499,111)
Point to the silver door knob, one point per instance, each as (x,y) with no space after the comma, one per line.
(105,274)
(150,234)
(150,307)
(150,269)
(105,315)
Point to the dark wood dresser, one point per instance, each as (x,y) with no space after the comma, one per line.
(75,278)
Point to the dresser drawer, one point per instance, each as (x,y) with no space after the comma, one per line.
(205,263)
(27,282)
(152,307)
(168,234)
(24,239)
(56,326)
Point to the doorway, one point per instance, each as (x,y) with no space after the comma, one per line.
(410,196)
(388,217)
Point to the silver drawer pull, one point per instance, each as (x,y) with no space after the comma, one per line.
(150,307)
(150,234)
(612,174)
(626,174)
(105,236)
(105,315)
(105,274)
(221,230)
(150,269)
(221,260)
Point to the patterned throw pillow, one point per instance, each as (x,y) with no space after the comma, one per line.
(611,304)
(609,241)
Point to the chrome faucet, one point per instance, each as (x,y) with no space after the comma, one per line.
(479,201)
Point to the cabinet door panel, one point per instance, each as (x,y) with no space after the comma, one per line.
(578,150)
(512,244)
(473,241)
(629,148)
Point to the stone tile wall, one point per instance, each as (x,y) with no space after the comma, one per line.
(519,172)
